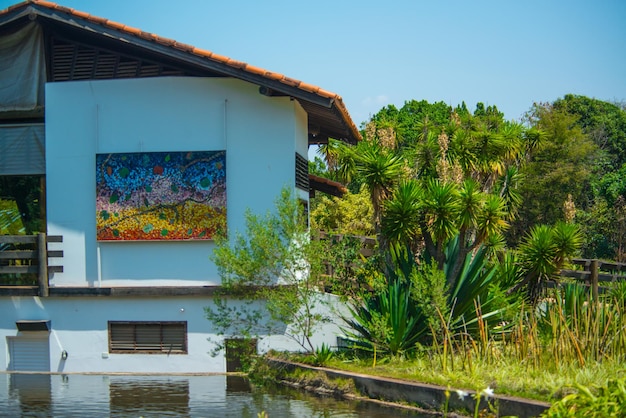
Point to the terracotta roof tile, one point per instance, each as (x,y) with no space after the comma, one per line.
(165,41)
(309,87)
(255,70)
(202,53)
(273,76)
(328,94)
(116,25)
(290,81)
(100,20)
(44,3)
(237,64)
(184,47)
(218,57)
(128,29)
(81,14)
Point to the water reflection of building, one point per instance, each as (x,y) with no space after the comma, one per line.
(94,396)
(116,299)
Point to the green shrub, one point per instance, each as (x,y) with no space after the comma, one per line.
(602,402)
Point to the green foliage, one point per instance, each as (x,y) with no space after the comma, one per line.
(20,206)
(10,219)
(351,214)
(601,402)
(403,213)
(603,122)
(429,291)
(543,252)
(347,269)
(322,355)
(379,169)
(317,167)
(560,166)
(270,278)
(604,224)
(388,320)
(412,119)
(417,304)
(475,294)
(578,329)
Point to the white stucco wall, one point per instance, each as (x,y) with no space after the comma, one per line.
(260,135)
(80,327)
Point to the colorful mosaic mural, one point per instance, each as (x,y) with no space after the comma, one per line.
(160,195)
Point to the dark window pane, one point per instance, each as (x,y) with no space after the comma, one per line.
(22,205)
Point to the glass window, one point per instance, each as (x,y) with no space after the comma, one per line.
(22,205)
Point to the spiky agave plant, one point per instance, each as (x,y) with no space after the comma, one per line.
(389,320)
(477,292)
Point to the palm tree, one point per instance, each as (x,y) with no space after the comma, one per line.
(543,252)
(403,214)
(379,169)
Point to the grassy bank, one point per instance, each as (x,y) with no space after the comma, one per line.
(504,376)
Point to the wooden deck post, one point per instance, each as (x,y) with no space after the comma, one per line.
(593,267)
(42,250)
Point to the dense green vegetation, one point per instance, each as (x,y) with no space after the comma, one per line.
(472,215)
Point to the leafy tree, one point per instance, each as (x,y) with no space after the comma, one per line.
(603,122)
(560,166)
(351,214)
(604,224)
(373,166)
(270,278)
(409,122)
(379,170)
(434,172)
(317,167)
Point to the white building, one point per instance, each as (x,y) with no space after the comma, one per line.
(81,96)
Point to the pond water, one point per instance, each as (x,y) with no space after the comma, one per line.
(34,395)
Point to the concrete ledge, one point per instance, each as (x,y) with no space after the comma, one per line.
(118,291)
(137,291)
(153,291)
(424,395)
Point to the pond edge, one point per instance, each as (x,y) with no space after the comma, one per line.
(428,396)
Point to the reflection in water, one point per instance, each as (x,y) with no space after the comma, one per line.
(32,391)
(149,396)
(33,395)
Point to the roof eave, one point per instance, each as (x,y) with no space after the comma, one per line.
(191,56)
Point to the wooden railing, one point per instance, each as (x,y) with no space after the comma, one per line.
(594,272)
(23,255)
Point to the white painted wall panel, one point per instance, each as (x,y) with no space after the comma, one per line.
(260,134)
(79,326)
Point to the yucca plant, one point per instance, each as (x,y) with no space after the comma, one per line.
(543,252)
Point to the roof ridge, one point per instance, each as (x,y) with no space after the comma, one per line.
(281,78)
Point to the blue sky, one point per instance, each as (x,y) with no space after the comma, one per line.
(373,53)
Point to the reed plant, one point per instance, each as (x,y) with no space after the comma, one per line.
(566,339)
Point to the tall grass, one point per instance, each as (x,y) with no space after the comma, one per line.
(567,327)
(568,338)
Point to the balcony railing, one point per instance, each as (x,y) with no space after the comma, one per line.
(24,261)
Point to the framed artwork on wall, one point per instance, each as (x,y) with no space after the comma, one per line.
(157,196)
